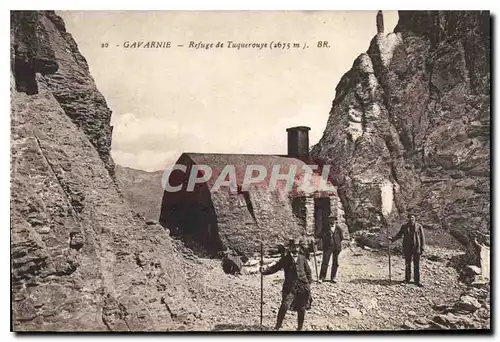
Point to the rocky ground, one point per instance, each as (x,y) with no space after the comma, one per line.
(362,299)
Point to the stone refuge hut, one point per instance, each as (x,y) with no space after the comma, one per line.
(238,219)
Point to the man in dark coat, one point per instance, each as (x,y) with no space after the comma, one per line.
(413,247)
(297,284)
(332,246)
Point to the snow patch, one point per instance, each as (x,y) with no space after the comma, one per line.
(387,45)
(387,196)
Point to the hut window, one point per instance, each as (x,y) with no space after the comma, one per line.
(241,200)
(242,196)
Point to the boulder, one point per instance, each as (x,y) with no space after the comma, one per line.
(352,312)
(369,303)
(409,325)
(452,321)
(467,303)
(473,270)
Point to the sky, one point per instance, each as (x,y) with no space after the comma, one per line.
(166,101)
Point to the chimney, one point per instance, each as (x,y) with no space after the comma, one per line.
(298,141)
(380,22)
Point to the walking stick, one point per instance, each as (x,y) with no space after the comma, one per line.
(252,212)
(389,251)
(315,262)
(261,283)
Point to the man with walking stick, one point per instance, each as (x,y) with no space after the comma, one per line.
(413,247)
(297,285)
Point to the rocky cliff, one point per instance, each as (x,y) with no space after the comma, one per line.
(142,189)
(409,128)
(81,260)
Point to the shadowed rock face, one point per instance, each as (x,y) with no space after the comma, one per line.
(409,127)
(81,260)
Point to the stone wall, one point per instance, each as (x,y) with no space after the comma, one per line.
(310,221)
(276,222)
(337,214)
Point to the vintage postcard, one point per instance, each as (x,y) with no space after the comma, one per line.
(250,171)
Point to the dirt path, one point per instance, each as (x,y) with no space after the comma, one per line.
(362,299)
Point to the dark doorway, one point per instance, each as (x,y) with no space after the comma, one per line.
(321,215)
(299,209)
(190,217)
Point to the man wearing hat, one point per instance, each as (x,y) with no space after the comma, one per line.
(296,287)
(332,246)
(413,247)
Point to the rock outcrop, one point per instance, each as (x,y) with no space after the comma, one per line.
(142,189)
(471,311)
(409,128)
(81,259)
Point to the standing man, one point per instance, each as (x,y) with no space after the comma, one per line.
(297,284)
(413,247)
(332,246)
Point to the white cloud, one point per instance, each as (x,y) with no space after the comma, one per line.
(149,142)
